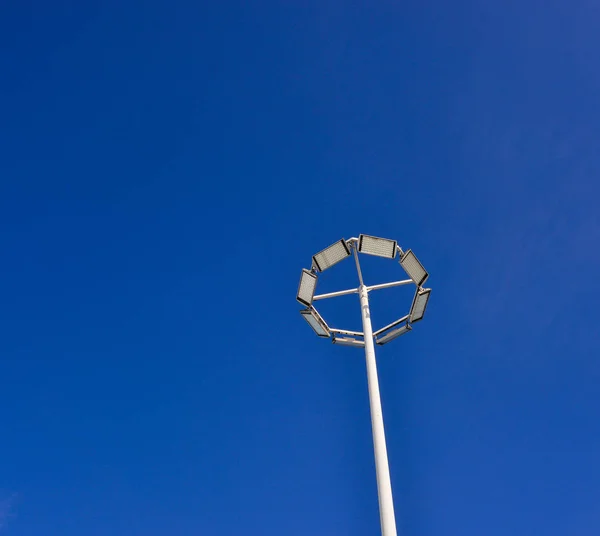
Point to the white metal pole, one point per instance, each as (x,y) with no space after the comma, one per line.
(382,469)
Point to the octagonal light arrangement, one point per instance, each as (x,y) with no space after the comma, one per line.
(332,255)
(381,247)
(368,245)
(419,304)
(306,288)
(413,268)
(316,322)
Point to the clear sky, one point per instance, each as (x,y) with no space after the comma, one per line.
(167,169)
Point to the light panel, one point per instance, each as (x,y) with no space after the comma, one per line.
(316,322)
(347,341)
(381,247)
(332,255)
(306,288)
(413,268)
(394,334)
(419,304)
(394,324)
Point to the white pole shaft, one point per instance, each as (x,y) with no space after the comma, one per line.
(382,469)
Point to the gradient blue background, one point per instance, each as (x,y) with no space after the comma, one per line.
(166,170)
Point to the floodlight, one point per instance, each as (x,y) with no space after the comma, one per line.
(306,288)
(417,310)
(413,268)
(347,341)
(332,255)
(381,247)
(315,321)
(394,333)
(394,324)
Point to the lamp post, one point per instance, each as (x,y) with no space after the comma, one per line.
(337,252)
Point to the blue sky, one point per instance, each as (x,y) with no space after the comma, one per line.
(166,170)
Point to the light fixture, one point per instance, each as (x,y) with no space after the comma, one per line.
(335,253)
(394,324)
(381,247)
(419,304)
(315,321)
(332,255)
(347,341)
(394,333)
(306,288)
(413,268)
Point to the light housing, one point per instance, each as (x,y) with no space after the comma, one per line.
(331,255)
(306,287)
(419,304)
(394,324)
(413,268)
(373,245)
(316,322)
(348,341)
(392,334)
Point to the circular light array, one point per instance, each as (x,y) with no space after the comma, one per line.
(367,245)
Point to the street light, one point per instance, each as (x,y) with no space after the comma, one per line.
(413,268)
(306,288)
(316,322)
(419,304)
(393,331)
(337,252)
(348,341)
(332,255)
(382,247)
